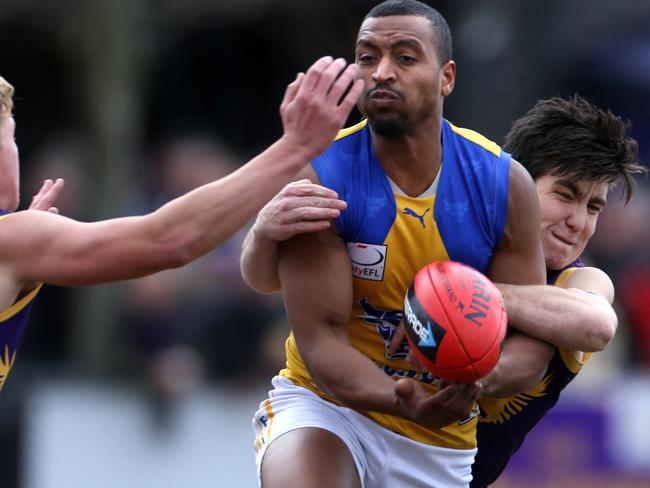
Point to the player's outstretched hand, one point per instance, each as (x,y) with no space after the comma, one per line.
(299,208)
(47,196)
(318,102)
(453,402)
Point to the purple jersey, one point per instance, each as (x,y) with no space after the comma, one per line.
(13,322)
(504,423)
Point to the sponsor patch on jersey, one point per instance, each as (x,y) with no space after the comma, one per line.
(368,260)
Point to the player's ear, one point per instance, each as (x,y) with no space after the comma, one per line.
(448,78)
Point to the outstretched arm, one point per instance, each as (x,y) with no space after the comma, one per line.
(42,247)
(578,317)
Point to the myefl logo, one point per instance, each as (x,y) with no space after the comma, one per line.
(386,322)
(413,213)
(368,260)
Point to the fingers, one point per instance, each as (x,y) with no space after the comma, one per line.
(292,89)
(306,194)
(439,400)
(351,98)
(308,209)
(331,78)
(315,72)
(398,338)
(47,195)
(414,362)
(346,82)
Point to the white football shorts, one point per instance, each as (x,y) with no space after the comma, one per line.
(383,458)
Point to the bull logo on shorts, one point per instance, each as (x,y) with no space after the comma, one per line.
(386,322)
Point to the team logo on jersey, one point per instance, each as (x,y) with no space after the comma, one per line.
(386,322)
(498,411)
(6,363)
(368,260)
(457,210)
(413,213)
(375,204)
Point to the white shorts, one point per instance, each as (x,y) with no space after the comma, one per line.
(383,458)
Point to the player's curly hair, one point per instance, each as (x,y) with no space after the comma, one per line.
(6,95)
(574,138)
(441,32)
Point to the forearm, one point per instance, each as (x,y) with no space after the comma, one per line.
(207,216)
(568,318)
(522,364)
(259,262)
(366,388)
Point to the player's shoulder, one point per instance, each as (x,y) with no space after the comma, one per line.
(346,159)
(589,279)
(16,226)
(472,139)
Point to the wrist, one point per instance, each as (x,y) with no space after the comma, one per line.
(261,237)
(299,149)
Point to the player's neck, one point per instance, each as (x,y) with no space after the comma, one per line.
(411,161)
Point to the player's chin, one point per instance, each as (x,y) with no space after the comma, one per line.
(389,123)
(557,260)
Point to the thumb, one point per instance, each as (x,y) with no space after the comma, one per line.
(398,338)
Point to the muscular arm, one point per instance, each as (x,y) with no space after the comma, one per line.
(578,317)
(317,285)
(519,260)
(38,247)
(299,208)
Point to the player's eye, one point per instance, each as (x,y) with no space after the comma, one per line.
(365,58)
(406,58)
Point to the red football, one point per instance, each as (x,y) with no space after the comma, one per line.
(455,321)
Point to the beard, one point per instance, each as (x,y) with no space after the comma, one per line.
(390,125)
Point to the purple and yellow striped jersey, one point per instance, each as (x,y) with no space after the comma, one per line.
(504,423)
(13,322)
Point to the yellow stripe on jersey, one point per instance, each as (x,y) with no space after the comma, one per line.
(574,360)
(477,138)
(19,305)
(346,131)
(564,277)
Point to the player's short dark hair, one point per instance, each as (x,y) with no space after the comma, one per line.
(574,138)
(441,33)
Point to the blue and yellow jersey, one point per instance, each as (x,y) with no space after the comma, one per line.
(390,236)
(13,322)
(504,423)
